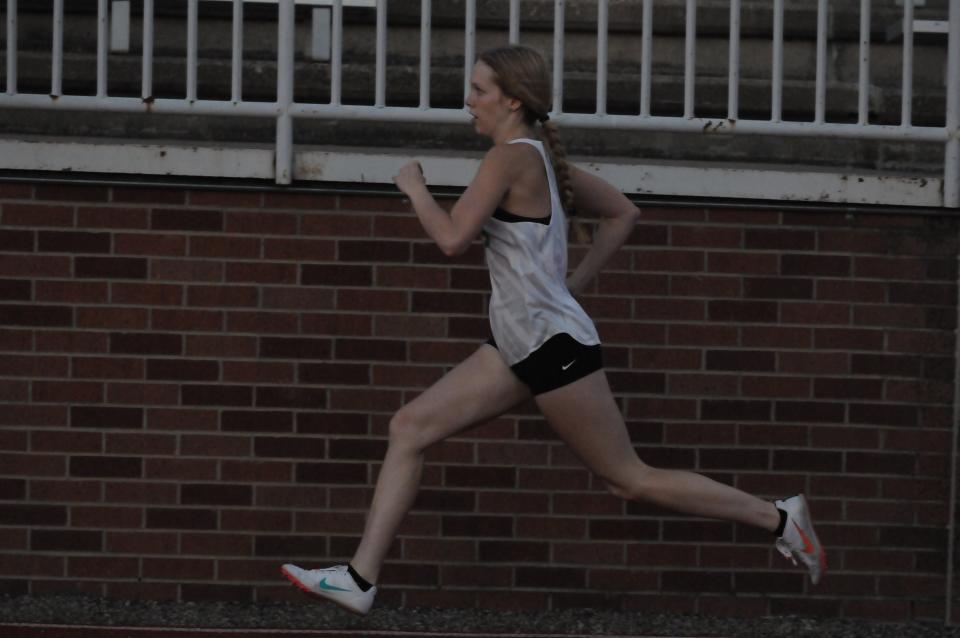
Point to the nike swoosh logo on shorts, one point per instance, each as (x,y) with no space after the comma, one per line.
(568,365)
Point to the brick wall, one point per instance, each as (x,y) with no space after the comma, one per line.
(196,387)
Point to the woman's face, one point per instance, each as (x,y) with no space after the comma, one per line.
(487,104)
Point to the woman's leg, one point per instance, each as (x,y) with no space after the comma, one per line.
(587,418)
(479,389)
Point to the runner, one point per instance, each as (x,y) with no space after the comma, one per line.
(544,345)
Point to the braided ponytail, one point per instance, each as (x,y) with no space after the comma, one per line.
(522,73)
(558,157)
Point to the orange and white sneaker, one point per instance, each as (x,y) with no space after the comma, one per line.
(799,541)
(334,584)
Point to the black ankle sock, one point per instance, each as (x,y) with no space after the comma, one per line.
(358,579)
(783,523)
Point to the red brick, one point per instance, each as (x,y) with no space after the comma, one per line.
(256,520)
(229,296)
(177,419)
(706,236)
(146,343)
(742,311)
(67,392)
(152,244)
(295,447)
(262,322)
(34,366)
(256,421)
(37,215)
(72,291)
(111,217)
(777,288)
(814,363)
(102,567)
(883,414)
(226,246)
(59,441)
(141,492)
(143,393)
(181,518)
(379,204)
(261,272)
(297,298)
(335,275)
(33,515)
(446,302)
(192,270)
(141,543)
(226,395)
(309,250)
(261,223)
(180,469)
(16,191)
(140,443)
(780,239)
(146,294)
(856,291)
(403,276)
(184,320)
(705,286)
(16,339)
(113,317)
(776,387)
(258,372)
(183,370)
(34,415)
(809,412)
(186,219)
(19,391)
(363,399)
(65,541)
(888,268)
(409,326)
(13,489)
(221,346)
(215,494)
(257,471)
(743,263)
(375,300)
(36,315)
(110,267)
(334,473)
(816,313)
(815,265)
(18,290)
(31,266)
(55,241)
(207,544)
(106,467)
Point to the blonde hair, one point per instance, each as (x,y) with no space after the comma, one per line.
(522,73)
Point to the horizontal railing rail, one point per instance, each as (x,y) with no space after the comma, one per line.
(284,108)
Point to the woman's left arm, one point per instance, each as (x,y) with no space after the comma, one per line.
(618,215)
(454,232)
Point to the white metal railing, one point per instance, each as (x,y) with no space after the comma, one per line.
(284,109)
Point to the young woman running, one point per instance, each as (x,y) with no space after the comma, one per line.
(544,345)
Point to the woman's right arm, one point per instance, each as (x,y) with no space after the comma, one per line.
(593,195)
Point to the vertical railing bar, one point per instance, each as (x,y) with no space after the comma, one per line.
(236,82)
(951,164)
(11,47)
(776,69)
(146,88)
(863,94)
(602,33)
(103,17)
(906,91)
(646,57)
(56,72)
(469,44)
(425,19)
(192,51)
(514,21)
(820,98)
(733,79)
(558,45)
(690,60)
(336,53)
(381,73)
(285,51)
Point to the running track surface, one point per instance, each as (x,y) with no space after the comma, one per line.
(87,631)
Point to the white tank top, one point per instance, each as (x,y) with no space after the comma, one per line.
(527,259)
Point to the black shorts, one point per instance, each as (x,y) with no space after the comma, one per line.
(561,360)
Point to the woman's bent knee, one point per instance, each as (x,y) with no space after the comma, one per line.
(632,485)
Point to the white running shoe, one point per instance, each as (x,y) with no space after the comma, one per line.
(799,540)
(334,584)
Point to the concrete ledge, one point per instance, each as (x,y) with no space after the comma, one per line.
(455,170)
